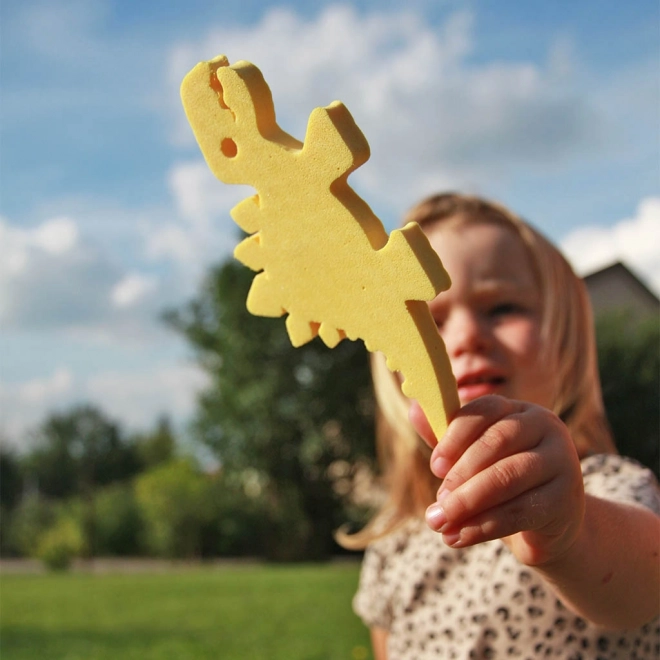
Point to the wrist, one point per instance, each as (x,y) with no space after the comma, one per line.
(551,549)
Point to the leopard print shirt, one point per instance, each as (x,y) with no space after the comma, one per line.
(480,602)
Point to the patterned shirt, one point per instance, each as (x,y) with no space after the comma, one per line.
(480,602)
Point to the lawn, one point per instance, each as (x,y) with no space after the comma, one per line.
(231,612)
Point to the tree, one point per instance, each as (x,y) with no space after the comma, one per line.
(629,362)
(76,452)
(28,522)
(119,524)
(287,414)
(157,446)
(11,479)
(176,503)
(11,489)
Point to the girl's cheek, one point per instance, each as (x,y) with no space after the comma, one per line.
(524,338)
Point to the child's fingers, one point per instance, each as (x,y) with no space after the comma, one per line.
(501,482)
(511,435)
(531,510)
(476,422)
(527,490)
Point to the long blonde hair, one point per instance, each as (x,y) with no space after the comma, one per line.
(567,340)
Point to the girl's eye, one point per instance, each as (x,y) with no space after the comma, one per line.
(503,309)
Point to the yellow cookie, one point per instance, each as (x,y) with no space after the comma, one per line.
(324,257)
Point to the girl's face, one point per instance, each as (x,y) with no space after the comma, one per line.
(489,319)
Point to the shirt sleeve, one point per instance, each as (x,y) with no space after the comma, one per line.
(371,601)
(621,479)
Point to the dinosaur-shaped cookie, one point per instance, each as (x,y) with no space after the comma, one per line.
(323,257)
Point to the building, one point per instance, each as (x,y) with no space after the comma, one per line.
(617,287)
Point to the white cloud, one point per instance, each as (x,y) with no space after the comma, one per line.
(132,289)
(437,113)
(203,233)
(635,241)
(199,197)
(140,397)
(170,241)
(136,398)
(38,390)
(18,247)
(432,115)
(51,279)
(48,276)
(56,236)
(25,403)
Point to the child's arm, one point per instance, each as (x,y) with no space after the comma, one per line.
(379,643)
(511,471)
(611,575)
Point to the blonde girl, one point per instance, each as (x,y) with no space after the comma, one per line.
(538,537)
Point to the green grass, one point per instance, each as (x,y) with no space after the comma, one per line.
(246,612)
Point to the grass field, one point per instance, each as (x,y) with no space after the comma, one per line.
(232,612)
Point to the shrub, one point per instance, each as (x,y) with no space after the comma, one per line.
(629,361)
(176,504)
(27,524)
(60,544)
(118,523)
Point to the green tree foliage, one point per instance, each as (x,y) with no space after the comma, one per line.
(11,479)
(50,530)
(629,361)
(119,522)
(156,446)
(11,490)
(176,502)
(285,413)
(27,524)
(75,451)
(60,544)
(237,526)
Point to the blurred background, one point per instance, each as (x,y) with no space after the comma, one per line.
(143,412)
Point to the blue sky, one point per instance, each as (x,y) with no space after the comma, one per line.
(108,214)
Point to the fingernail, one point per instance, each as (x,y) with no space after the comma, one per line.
(452,538)
(435,517)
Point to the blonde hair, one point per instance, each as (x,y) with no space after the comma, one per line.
(567,340)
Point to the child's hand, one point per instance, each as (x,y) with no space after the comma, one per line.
(509,469)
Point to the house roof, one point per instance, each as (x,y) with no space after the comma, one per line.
(617,286)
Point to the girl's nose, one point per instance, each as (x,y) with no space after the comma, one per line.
(464,332)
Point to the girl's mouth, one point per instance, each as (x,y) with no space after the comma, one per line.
(472,386)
